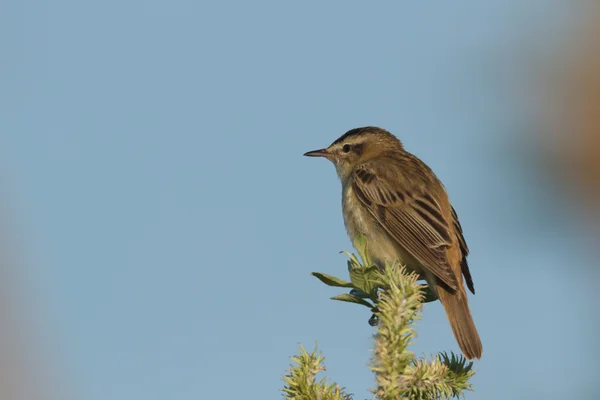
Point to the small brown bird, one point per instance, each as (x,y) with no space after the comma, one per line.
(396,201)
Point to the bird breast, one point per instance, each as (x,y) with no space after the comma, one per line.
(359,221)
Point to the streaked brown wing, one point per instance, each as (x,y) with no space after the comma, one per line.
(410,216)
(464,265)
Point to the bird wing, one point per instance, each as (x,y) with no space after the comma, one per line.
(409,214)
(464,250)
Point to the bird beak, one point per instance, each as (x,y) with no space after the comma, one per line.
(318,153)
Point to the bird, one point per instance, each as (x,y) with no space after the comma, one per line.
(399,205)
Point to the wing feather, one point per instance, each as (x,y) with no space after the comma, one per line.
(410,216)
(464,265)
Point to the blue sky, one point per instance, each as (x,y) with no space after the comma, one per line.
(169,223)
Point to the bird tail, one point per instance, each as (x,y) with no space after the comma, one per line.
(457,309)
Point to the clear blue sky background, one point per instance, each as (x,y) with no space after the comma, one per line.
(153,152)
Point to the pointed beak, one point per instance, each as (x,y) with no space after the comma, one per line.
(317,153)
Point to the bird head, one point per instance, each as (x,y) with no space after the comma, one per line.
(356,147)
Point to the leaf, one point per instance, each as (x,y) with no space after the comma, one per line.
(352,299)
(457,364)
(358,278)
(331,280)
(351,265)
(361,246)
(359,293)
(374,320)
(428,294)
(364,279)
(352,257)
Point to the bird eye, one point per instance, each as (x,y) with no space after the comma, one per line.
(346,148)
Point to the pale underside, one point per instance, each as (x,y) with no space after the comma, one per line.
(382,248)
